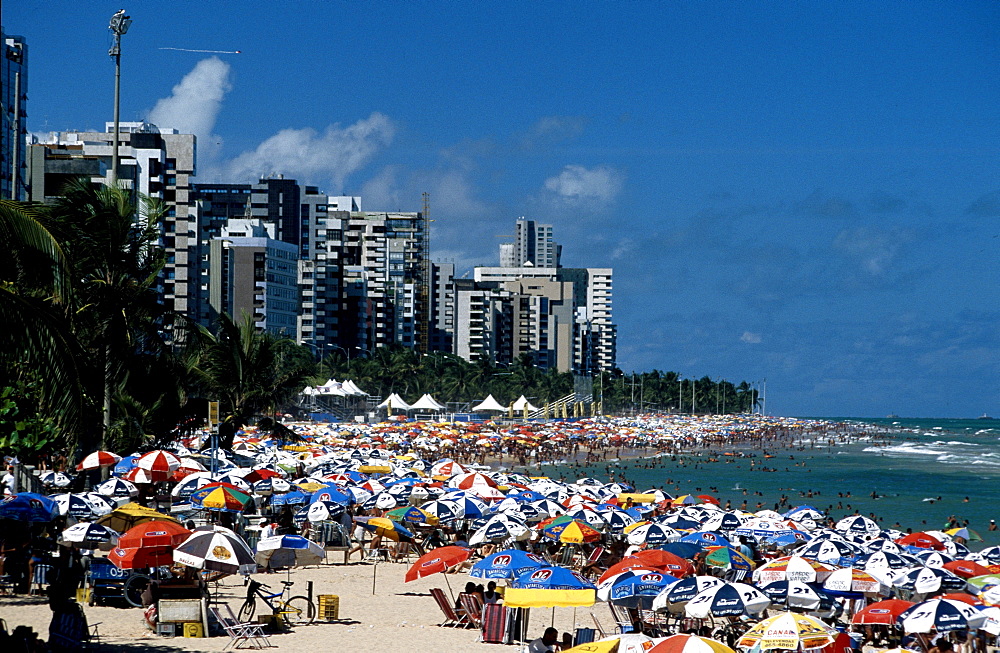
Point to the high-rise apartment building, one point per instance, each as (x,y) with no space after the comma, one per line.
(155,162)
(13,130)
(253,274)
(533,245)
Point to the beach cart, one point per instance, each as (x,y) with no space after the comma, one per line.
(107,582)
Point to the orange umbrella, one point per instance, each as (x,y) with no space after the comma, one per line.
(966,568)
(882,612)
(437,561)
(629,563)
(669,562)
(150,544)
(921,540)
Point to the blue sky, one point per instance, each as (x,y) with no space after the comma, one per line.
(803,192)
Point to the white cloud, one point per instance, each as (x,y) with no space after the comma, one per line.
(874,250)
(194,104)
(578,184)
(312,157)
(750,338)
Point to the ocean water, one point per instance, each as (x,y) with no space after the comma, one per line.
(922,471)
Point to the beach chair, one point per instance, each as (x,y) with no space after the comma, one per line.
(451,617)
(494,624)
(598,627)
(241,634)
(584,636)
(589,566)
(473,607)
(626,621)
(39,578)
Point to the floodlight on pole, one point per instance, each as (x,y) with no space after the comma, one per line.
(120,23)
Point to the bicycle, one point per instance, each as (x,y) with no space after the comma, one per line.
(297,610)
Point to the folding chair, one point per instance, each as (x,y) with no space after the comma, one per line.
(598,627)
(626,620)
(494,624)
(473,607)
(451,617)
(241,634)
(584,636)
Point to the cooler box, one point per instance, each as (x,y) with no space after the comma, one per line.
(329,607)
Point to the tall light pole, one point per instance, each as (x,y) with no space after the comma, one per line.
(119,25)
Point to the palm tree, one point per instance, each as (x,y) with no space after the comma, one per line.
(249,372)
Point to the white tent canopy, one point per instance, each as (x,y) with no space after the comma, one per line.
(490,404)
(336,389)
(428,402)
(350,387)
(395,402)
(523,403)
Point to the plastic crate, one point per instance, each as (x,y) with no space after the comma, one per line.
(329,607)
(194,629)
(166,629)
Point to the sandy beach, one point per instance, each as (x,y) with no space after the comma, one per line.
(399,617)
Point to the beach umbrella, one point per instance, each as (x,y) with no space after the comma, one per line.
(28,506)
(149,544)
(832,550)
(555,578)
(724,557)
(443,509)
(706,539)
(940,615)
(796,594)
(622,643)
(382,501)
(921,540)
(634,589)
(651,534)
(132,514)
(117,488)
(97,460)
(761,528)
(799,513)
(929,580)
(674,596)
(883,544)
(500,528)
(885,560)
(966,568)
(294,498)
(80,506)
(628,563)
(331,492)
(471,481)
(437,561)
(52,478)
(990,554)
(722,521)
(571,532)
(221,497)
(319,511)
(550,507)
(686,550)
(508,563)
(85,535)
(852,582)
(689,644)
(883,613)
(159,464)
(412,515)
(858,524)
(386,528)
(932,558)
(965,533)
(727,600)
(288,551)
(216,548)
(790,631)
(671,563)
(795,568)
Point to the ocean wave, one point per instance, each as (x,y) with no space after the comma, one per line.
(954,443)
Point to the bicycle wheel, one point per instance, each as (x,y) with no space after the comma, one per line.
(246,612)
(133,588)
(298,611)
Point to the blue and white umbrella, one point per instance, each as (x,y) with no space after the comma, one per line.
(829,550)
(634,588)
(673,597)
(728,600)
(499,528)
(652,534)
(706,539)
(85,535)
(942,616)
(118,488)
(798,513)
(443,509)
(617,520)
(296,498)
(931,558)
(929,580)
(318,511)
(332,493)
(288,551)
(858,524)
(80,506)
(796,594)
(28,506)
(509,563)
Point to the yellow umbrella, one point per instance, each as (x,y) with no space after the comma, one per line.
(132,514)
(788,630)
(600,646)
(514,597)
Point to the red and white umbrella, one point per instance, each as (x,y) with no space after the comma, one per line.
(160,464)
(97,460)
(471,480)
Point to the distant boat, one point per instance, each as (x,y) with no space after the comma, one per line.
(984,416)
(892,416)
